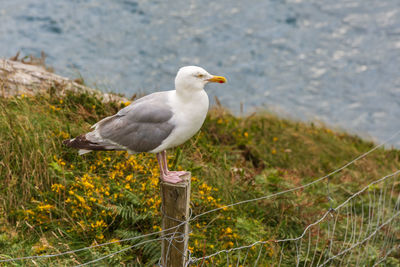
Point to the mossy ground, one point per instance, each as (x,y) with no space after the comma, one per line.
(53,200)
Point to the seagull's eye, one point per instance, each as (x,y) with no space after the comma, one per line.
(200,75)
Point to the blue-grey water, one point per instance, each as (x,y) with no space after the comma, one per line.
(335,61)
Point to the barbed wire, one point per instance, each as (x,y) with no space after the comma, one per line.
(86,248)
(217,209)
(340,206)
(194,259)
(302,186)
(386,255)
(119,251)
(363,241)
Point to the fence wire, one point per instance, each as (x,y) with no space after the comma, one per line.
(343,236)
(377,222)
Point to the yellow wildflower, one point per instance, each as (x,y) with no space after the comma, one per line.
(57,187)
(87,185)
(81,199)
(157,228)
(100,236)
(229,244)
(129,177)
(31,212)
(98,224)
(45,207)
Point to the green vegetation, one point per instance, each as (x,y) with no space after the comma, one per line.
(53,200)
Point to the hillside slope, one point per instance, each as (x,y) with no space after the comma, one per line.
(52,200)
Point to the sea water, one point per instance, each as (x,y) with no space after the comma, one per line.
(333,61)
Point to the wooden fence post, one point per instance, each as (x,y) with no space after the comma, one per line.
(175,208)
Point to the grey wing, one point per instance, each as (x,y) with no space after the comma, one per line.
(140,127)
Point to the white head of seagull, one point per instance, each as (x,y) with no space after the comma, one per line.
(193,78)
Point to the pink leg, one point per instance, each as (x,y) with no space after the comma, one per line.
(165,163)
(166,175)
(160,164)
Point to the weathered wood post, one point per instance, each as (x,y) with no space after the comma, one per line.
(175,208)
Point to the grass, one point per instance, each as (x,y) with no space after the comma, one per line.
(53,200)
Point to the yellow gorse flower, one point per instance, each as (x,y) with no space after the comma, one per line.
(45,207)
(57,187)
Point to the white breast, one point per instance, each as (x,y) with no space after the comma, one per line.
(189,116)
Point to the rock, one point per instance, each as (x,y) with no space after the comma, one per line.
(29,78)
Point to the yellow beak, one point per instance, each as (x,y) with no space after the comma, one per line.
(217,79)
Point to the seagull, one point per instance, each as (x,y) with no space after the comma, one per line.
(156,122)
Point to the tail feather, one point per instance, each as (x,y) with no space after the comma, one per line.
(84,145)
